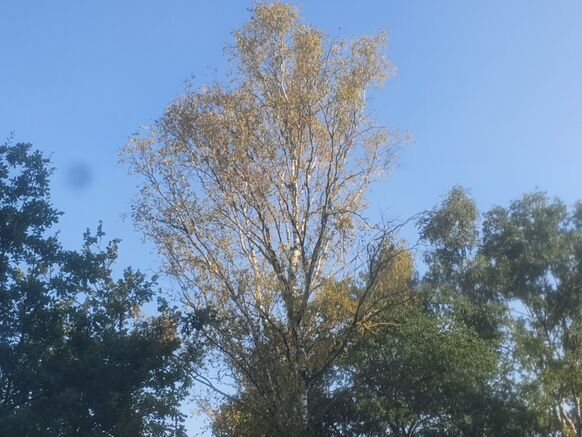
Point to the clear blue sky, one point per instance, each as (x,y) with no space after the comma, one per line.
(491,91)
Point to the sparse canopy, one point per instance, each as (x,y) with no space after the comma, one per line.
(254,191)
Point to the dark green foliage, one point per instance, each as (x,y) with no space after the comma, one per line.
(429,373)
(421,371)
(77,357)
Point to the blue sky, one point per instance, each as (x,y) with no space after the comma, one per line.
(490,90)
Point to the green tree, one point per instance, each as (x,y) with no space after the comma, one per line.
(456,269)
(427,372)
(516,283)
(461,276)
(433,365)
(534,252)
(77,356)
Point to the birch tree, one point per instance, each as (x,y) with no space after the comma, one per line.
(254,192)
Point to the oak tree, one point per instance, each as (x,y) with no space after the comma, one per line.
(77,356)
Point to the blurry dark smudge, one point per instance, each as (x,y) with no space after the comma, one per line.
(79,176)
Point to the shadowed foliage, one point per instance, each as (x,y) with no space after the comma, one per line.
(77,355)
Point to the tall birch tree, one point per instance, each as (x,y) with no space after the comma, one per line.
(254,192)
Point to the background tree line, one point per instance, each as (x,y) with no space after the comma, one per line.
(301,315)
